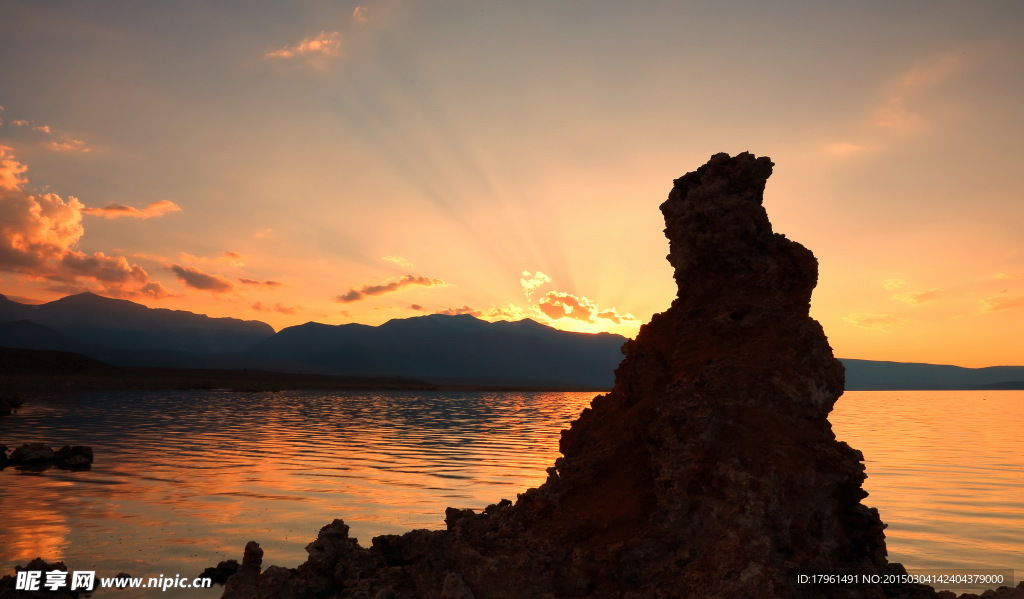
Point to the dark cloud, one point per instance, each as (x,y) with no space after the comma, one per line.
(417,307)
(262,283)
(109,269)
(200,280)
(354,295)
(120,210)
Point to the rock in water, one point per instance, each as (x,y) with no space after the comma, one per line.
(710,470)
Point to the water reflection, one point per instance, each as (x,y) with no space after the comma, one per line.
(183,480)
(946,471)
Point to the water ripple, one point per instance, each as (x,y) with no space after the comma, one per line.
(184,479)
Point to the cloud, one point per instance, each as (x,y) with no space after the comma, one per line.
(891,284)
(398,260)
(849,149)
(113,210)
(353,295)
(155,290)
(68,144)
(558,304)
(34,229)
(260,283)
(462,310)
(110,269)
(10,170)
(41,128)
(234,258)
(63,144)
(416,307)
(920,297)
(897,111)
(198,279)
(999,302)
(38,238)
(360,15)
(875,322)
(531,283)
(323,45)
(259,307)
(509,312)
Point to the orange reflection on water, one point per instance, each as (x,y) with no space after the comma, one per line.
(183,480)
(946,471)
(30,531)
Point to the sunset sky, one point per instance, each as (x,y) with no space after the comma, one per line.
(357,162)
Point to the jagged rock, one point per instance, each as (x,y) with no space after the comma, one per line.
(710,469)
(4,460)
(220,573)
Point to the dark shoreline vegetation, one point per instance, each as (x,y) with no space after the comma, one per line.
(26,371)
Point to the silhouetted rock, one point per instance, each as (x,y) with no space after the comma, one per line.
(8,583)
(75,457)
(8,404)
(710,470)
(221,572)
(33,454)
(38,456)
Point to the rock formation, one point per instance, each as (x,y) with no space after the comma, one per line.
(39,456)
(710,470)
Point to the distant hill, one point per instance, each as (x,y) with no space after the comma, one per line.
(866,375)
(26,334)
(454,349)
(114,324)
(437,348)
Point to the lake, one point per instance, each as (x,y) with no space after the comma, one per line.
(183,479)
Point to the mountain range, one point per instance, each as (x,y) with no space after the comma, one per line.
(439,348)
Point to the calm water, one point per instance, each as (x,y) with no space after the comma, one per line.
(183,480)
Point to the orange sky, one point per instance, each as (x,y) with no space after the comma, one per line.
(357,162)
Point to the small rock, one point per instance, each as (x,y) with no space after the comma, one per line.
(32,454)
(75,457)
(221,573)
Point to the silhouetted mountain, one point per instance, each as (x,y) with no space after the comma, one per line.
(454,349)
(10,310)
(870,375)
(439,348)
(115,324)
(26,334)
